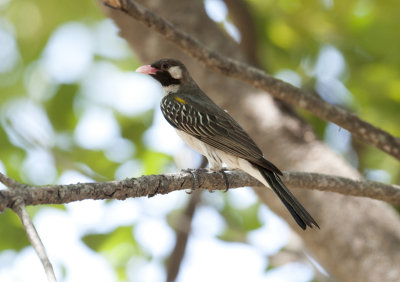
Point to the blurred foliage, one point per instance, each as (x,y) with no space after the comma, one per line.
(117,246)
(239,221)
(29,88)
(291,34)
(13,237)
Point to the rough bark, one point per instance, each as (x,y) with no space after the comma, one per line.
(151,185)
(359,238)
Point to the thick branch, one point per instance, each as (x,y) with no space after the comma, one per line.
(240,14)
(151,185)
(258,78)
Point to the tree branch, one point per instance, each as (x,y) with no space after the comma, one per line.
(150,185)
(18,205)
(256,77)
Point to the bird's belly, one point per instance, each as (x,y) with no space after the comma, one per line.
(233,162)
(212,154)
(190,141)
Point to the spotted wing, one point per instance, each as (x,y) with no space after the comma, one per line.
(216,128)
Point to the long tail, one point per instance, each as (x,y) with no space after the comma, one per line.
(299,213)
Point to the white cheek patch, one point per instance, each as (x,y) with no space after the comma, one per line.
(175,72)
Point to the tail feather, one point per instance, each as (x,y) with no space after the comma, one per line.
(299,213)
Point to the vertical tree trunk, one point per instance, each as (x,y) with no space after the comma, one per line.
(359,238)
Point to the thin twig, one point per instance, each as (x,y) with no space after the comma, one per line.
(18,205)
(165,183)
(258,78)
(183,228)
(33,236)
(182,236)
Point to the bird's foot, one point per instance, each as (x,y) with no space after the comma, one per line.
(225,177)
(194,172)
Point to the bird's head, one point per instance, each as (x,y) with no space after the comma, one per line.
(170,73)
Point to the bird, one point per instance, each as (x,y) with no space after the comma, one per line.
(212,132)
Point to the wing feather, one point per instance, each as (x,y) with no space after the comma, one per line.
(216,128)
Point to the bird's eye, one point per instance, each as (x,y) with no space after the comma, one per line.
(164,66)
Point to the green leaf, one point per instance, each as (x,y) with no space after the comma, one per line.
(155,162)
(92,163)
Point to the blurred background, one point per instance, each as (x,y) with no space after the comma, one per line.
(72,109)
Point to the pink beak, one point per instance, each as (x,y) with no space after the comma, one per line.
(147,69)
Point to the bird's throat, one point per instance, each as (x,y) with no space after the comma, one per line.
(171,89)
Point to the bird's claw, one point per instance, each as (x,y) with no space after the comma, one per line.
(225,177)
(194,173)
